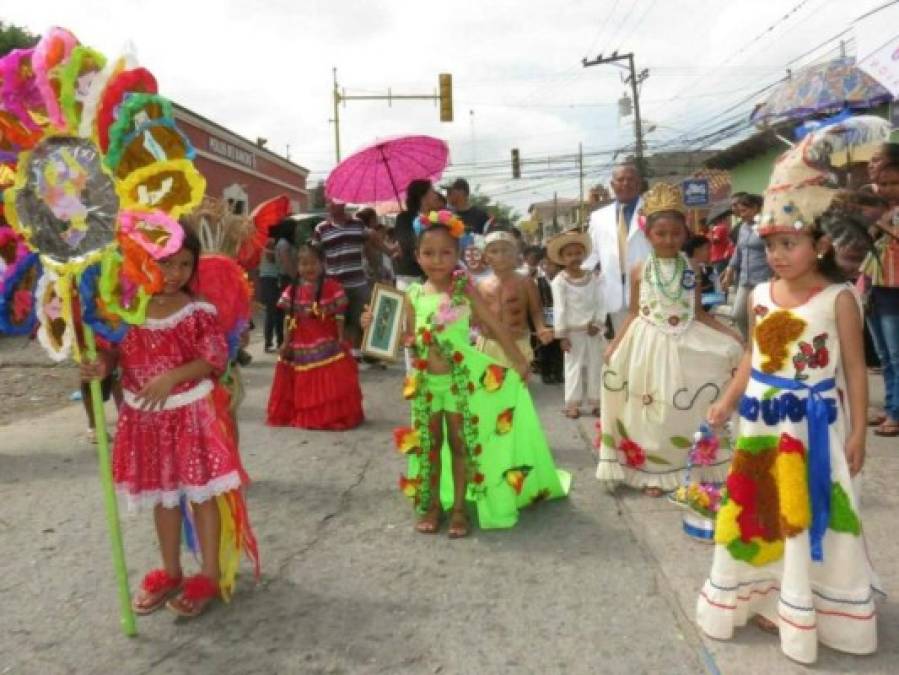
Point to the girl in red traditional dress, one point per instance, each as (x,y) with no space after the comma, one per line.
(316,383)
(173,450)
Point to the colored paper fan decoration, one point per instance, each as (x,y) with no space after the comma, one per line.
(106,324)
(91,221)
(223,282)
(52,50)
(55,332)
(17,311)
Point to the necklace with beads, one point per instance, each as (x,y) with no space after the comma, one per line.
(663,285)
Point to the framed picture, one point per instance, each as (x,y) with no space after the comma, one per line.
(382,337)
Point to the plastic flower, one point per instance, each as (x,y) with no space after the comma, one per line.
(705,450)
(409,486)
(410,386)
(504,421)
(493,378)
(406,440)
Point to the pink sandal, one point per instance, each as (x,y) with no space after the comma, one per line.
(156,587)
(199,591)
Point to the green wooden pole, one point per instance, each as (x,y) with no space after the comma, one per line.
(109,497)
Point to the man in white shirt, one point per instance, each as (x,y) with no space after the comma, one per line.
(618,240)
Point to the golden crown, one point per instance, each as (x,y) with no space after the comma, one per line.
(663,197)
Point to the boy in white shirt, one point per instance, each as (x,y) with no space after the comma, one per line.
(579,314)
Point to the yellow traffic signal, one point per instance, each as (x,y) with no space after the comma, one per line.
(445,81)
(516,164)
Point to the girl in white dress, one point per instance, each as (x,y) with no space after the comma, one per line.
(790,548)
(668,362)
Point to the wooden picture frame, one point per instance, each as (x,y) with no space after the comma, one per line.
(383,336)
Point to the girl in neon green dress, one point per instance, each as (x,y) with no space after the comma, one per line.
(468,413)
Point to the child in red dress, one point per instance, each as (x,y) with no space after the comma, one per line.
(170,445)
(316,383)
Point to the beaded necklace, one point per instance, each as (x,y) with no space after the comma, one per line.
(661,284)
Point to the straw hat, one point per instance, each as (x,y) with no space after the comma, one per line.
(555,245)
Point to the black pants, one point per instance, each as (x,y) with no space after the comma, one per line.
(549,358)
(274,317)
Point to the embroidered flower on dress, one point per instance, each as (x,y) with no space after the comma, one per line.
(634,455)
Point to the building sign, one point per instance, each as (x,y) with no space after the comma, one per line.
(232,152)
(696,192)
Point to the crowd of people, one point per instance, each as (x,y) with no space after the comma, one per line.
(615,313)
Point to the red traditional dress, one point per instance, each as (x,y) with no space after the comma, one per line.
(317,387)
(183,449)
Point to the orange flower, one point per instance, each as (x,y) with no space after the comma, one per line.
(493,378)
(456,227)
(406,440)
(409,486)
(504,421)
(410,387)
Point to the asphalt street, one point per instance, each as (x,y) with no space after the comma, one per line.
(597,583)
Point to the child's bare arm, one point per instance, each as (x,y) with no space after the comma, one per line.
(852,351)
(535,310)
(632,309)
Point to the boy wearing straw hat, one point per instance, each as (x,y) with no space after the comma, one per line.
(579,309)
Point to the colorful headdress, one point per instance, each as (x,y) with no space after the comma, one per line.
(663,197)
(801,186)
(443,217)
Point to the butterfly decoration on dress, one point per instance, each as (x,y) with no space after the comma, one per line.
(814,355)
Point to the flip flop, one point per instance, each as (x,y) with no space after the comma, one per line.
(198,592)
(887,429)
(157,587)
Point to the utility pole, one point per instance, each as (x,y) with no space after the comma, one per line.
(444,98)
(336,119)
(635,80)
(580,202)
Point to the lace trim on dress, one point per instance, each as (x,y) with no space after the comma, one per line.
(173,319)
(192,395)
(171,498)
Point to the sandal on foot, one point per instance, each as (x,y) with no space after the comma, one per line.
(199,591)
(155,589)
(653,491)
(887,429)
(572,413)
(765,625)
(876,419)
(429,523)
(458,524)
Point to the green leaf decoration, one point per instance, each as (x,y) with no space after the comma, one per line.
(757,445)
(622,430)
(681,442)
(608,440)
(770,393)
(743,550)
(842,517)
(655,459)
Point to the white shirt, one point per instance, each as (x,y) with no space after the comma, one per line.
(577,303)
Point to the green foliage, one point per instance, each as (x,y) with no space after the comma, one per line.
(502,214)
(15,37)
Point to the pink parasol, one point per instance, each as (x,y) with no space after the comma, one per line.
(382,171)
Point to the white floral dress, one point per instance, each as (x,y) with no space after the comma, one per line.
(789,536)
(659,383)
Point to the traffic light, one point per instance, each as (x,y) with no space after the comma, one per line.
(516,164)
(445,83)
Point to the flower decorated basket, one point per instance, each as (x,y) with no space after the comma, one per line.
(700,500)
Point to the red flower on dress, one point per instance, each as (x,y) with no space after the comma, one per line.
(634,455)
(421,364)
(477,450)
(426,336)
(760,310)
(457,357)
(478,478)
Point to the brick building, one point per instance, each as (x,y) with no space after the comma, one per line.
(238,170)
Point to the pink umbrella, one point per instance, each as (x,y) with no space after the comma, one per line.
(382,171)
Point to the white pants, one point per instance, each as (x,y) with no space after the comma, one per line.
(585,355)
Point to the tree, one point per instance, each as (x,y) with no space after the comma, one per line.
(317,198)
(15,37)
(502,214)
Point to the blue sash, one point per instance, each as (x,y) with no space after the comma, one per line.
(818,451)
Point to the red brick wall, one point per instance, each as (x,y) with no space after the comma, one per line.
(229,160)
